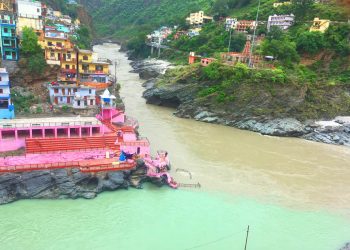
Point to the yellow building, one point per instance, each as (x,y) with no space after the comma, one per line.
(275,5)
(198,18)
(320,25)
(35,23)
(89,63)
(57,13)
(6,5)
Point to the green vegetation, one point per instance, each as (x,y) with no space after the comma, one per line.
(83,38)
(32,52)
(213,38)
(23,101)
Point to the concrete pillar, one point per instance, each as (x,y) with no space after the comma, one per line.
(30,133)
(43,133)
(16,134)
(151,50)
(80,132)
(90,131)
(55,133)
(0,134)
(68,132)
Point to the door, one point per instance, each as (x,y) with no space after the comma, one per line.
(68,100)
(59,56)
(64,57)
(56,100)
(14,56)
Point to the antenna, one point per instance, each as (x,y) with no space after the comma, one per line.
(253,42)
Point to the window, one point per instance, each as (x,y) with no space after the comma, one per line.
(85,67)
(56,91)
(69,56)
(8,53)
(52,54)
(49,43)
(89,91)
(0,78)
(99,68)
(38,10)
(75,90)
(4,104)
(1,91)
(6,30)
(85,58)
(59,44)
(67,66)
(7,42)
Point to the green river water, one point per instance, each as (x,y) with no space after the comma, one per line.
(294,194)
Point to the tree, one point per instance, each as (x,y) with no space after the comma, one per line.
(337,38)
(29,44)
(310,42)
(279,45)
(32,52)
(220,8)
(84,38)
(301,8)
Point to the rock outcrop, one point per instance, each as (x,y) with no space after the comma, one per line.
(62,183)
(150,68)
(269,110)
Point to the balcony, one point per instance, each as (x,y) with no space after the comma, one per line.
(72,60)
(97,72)
(68,71)
(4,83)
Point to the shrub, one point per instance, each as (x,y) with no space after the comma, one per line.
(310,42)
(65,108)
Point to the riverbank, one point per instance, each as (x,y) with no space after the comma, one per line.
(275,110)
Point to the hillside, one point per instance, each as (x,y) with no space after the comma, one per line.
(123,19)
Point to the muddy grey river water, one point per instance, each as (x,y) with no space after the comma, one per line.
(294,194)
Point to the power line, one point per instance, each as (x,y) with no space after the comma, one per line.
(215,241)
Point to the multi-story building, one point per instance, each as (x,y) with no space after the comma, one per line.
(56,45)
(281,21)
(93,71)
(9,40)
(69,65)
(29,14)
(320,25)
(245,25)
(231,23)
(198,19)
(6,105)
(70,94)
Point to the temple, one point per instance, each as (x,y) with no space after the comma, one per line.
(107,142)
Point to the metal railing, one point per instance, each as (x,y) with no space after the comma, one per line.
(48,124)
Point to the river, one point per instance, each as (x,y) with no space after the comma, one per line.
(294,194)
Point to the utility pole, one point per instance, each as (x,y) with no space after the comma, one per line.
(115,77)
(246,239)
(253,42)
(229,41)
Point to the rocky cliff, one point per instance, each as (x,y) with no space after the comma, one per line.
(62,183)
(270,109)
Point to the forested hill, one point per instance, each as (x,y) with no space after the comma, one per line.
(124,19)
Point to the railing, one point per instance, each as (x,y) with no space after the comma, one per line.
(48,124)
(93,72)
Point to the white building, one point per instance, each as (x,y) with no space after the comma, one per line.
(281,21)
(29,14)
(231,23)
